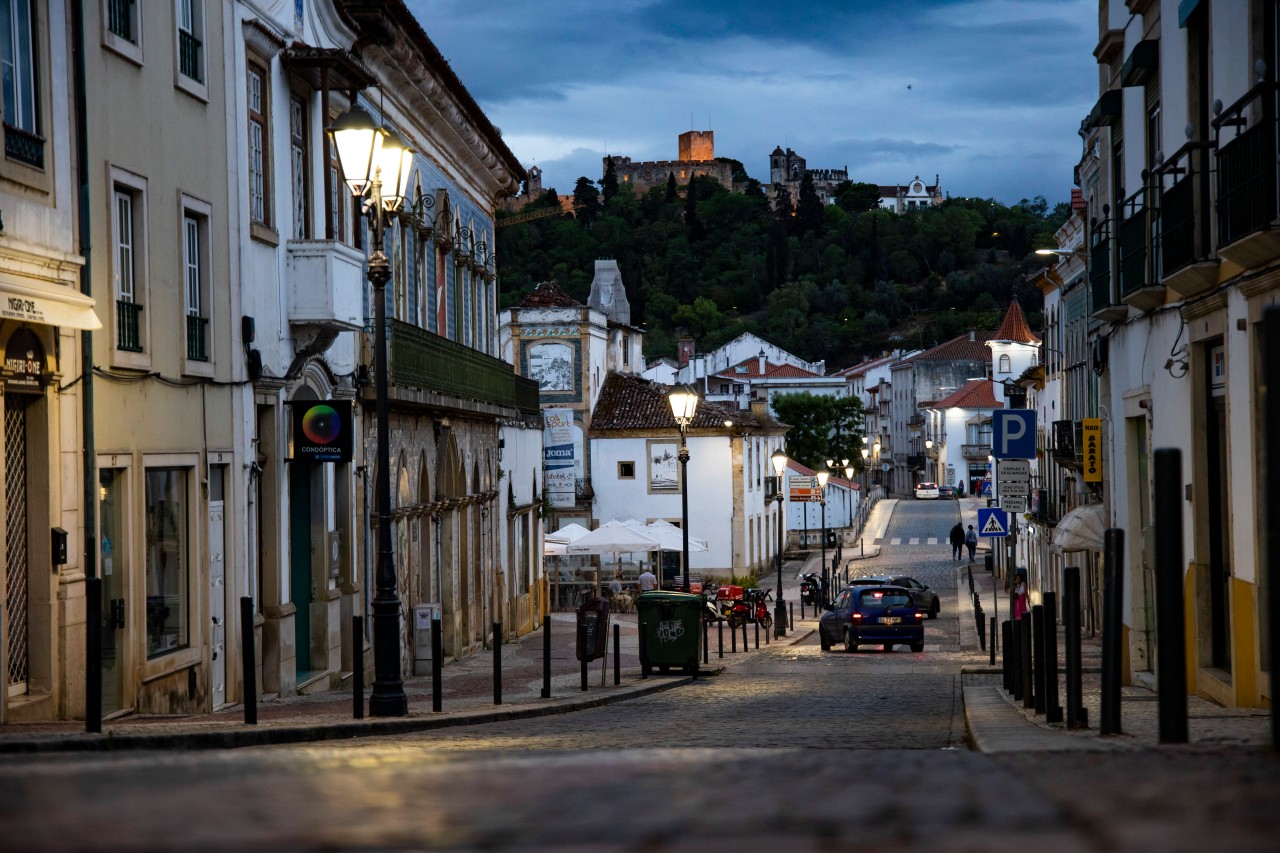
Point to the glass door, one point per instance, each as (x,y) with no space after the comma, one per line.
(112,566)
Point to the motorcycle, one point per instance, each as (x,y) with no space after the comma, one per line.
(810,589)
(752,607)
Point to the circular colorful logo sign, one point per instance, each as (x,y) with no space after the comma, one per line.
(321,424)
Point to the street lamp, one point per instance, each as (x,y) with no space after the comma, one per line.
(779,462)
(823,476)
(684,402)
(375,161)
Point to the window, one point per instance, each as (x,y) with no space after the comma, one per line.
(626,470)
(626,350)
(259,175)
(298,167)
(167,563)
(1005,364)
(22,141)
(339,198)
(190,32)
(129,256)
(122,28)
(195,277)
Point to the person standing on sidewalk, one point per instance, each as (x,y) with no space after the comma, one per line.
(971,541)
(957,541)
(647,580)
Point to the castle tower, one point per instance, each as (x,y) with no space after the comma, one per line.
(533,184)
(697,145)
(777,166)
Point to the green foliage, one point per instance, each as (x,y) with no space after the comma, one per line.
(836,282)
(822,427)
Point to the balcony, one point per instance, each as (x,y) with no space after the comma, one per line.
(1105,306)
(128,326)
(197,338)
(582,490)
(189,64)
(915,422)
(916,461)
(326,279)
(1185,244)
(1247,180)
(421,361)
(1138,263)
(23,146)
(975,451)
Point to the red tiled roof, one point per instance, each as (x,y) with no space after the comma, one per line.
(957,349)
(752,370)
(974,394)
(1015,328)
(548,294)
(864,366)
(787,371)
(629,402)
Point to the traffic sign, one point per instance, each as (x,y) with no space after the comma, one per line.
(1013,433)
(1013,477)
(993,521)
(802,488)
(1014,503)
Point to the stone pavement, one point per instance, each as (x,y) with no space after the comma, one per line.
(467,694)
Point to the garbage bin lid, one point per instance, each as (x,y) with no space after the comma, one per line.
(664,597)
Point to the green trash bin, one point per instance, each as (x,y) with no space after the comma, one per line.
(670,631)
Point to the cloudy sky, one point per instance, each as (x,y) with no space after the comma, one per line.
(988,94)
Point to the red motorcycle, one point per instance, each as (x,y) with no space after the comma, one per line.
(752,607)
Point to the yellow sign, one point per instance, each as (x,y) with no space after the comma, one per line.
(1091,441)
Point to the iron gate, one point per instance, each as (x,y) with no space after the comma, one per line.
(15,492)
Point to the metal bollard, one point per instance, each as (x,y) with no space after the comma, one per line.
(992,647)
(1015,660)
(357,666)
(1006,657)
(644,650)
(617,654)
(1037,656)
(1172,661)
(497,663)
(757,633)
(1076,718)
(719,638)
(969,569)
(982,629)
(437,665)
(1112,626)
(1028,678)
(745,648)
(248,662)
(733,640)
(582,653)
(791,617)
(1052,708)
(802,608)
(706,642)
(546,656)
(989,562)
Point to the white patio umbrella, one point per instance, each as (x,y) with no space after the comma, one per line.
(672,538)
(569,533)
(613,537)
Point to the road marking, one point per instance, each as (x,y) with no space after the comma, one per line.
(933,540)
(914,540)
(895,541)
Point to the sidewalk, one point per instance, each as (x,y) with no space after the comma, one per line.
(466,696)
(996,723)
(867,546)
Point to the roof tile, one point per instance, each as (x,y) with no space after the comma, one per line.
(629,402)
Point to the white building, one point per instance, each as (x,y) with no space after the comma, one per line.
(913,195)
(959,428)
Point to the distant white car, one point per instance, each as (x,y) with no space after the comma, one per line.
(926,490)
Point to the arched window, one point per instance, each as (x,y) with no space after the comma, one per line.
(1004,364)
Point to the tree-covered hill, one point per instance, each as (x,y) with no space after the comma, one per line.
(834,282)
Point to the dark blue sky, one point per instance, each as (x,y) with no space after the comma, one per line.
(988,94)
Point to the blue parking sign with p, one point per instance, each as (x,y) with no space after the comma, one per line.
(1013,434)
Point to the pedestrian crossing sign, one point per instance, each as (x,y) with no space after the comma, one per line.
(993,522)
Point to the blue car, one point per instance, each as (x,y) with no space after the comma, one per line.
(872,615)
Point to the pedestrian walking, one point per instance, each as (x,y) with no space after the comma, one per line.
(1019,604)
(971,541)
(957,541)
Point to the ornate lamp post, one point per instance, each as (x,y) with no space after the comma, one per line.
(377,162)
(684,402)
(779,462)
(823,476)
(928,464)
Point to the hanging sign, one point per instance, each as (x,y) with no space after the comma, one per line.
(1091,438)
(24,363)
(321,430)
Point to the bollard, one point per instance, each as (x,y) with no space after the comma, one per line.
(969,569)
(617,654)
(757,633)
(1112,625)
(719,638)
(1076,718)
(1015,660)
(745,648)
(497,663)
(546,656)
(767,631)
(1037,656)
(802,608)
(706,642)
(437,665)
(644,650)
(982,628)
(791,618)
(93,655)
(992,647)
(357,666)
(1006,657)
(733,640)
(1171,662)
(1024,656)
(989,561)
(1053,710)
(248,662)
(582,653)
(1271,483)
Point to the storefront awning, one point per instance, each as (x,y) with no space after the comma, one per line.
(1081,529)
(49,305)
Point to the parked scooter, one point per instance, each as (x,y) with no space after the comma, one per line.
(752,607)
(810,589)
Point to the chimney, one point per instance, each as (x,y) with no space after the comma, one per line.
(762,361)
(973,336)
(684,350)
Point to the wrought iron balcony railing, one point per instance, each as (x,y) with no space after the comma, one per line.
(1247,165)
(128,326)
(197,338)
(420,359)
(189,64)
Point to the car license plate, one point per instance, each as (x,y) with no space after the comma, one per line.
(890,620)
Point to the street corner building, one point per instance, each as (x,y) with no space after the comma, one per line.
(188,380)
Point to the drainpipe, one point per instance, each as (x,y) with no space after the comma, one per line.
(93,638)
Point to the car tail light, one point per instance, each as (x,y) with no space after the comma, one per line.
(919,615)
(855,617)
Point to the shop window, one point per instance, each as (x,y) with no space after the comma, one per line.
(167,560)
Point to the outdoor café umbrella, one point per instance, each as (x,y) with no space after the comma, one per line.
(613,537)
(554,545)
